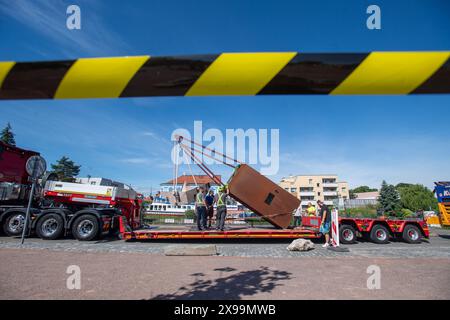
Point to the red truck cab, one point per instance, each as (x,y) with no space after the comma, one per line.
(14,184)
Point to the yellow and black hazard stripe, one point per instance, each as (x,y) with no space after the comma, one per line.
(229,74)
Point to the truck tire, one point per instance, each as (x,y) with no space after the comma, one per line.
(85,227)
(412,234)
(14,223)
(347,234)
(50,226)
(379,234)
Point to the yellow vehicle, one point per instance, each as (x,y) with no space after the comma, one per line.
(442,191)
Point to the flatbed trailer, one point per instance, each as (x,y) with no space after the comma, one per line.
(232,233)
(378,230)
(381,230)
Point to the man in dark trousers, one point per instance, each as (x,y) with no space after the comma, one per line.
(325,225)
(209,201)
(221,203)
(200,208)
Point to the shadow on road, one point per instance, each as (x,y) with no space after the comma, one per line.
(229,286)
(107,239)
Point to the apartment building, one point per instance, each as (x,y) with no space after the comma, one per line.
(310,188)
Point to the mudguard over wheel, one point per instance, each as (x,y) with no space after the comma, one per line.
(14,223)
(411,234)
(347,234)
(86,227)
(50,227)
(379,234)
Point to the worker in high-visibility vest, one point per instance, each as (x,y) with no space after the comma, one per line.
(221,204)
(311,210)
(200,208)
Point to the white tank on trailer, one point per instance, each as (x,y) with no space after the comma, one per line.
(93,187)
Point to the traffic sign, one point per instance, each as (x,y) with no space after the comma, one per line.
(36,166)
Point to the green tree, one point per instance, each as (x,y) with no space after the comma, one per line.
(359,190)
(66,169)
(389,200)
(7,136)
(402,184)
(368,211)
(416,197)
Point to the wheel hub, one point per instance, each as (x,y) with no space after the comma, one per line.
(413,235)
(347,235)
(85,228)
(381,235)
(16,223)
(49,227)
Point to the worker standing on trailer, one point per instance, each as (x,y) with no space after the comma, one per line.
(325,224)
(311,210)
(221,203)
(200,208)
(298,216)
(209,201)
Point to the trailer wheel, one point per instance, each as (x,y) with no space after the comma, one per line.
(85,227)
(379,234)
(14,223)
(50,227)
(412,234)
(347,234)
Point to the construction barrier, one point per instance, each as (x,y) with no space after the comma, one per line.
(263,73)
(335,227)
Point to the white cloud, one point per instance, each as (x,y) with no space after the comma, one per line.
(137,160)
(154,161)
(152,134)
(49,19)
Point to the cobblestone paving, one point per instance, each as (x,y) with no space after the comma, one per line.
(437,246)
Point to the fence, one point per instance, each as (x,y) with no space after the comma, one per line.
(358,203)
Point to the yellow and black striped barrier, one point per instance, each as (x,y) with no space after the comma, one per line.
(229,74)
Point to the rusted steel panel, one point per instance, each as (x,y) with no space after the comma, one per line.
(262,196)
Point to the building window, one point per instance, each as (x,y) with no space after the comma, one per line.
(318,185)
(293,189)
(310,181)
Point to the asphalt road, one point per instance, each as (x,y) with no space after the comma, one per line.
(242,270)
(438,246)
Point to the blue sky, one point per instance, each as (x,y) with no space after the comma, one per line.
(363,139)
